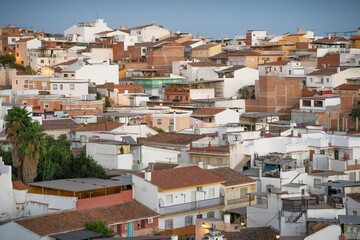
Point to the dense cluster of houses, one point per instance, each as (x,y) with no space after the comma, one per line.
(201,138)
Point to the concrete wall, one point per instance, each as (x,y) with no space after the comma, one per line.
(145,192)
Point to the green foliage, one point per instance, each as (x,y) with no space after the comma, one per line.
(98,96)
(107,102)
(355,113)
(59,162)
(7,59)
(99,227)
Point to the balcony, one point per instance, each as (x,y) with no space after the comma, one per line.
(240,200)
(191,206)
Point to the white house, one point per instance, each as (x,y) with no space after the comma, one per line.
(96,72)
(237,77)
(149,33)
(282,69)
(216,116)
(319,103)
(180,195)
(85,31)
(330,77)
(70,87)
(119,36)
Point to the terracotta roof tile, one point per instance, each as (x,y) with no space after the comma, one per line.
(60,123)
(102,126)
(182,177)
(24,40)
(326,71)
(172,138)
(231,176)
(346,86)
(275,63)
(255,233)
(75,220)
(205,46)
(208,111)
(205,64)
(222,55)
(19,185)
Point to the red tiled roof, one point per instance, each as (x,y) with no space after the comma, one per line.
(102,126)
(19,185)
(331,40)
(231,176)
(205,64)
(24,40)
(326,71)
(172,138)
(222,55)
(208,111)
(75,220)
(182,177)
(244,53)
(347,86)
(205,46)
(254,233)
(275,63)
(60,123)
(67,63)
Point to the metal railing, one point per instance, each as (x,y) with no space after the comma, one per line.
(190,206)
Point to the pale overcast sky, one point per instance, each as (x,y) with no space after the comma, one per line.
(210,18)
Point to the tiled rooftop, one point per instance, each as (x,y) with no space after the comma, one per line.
(231,176)
(172,138)
(182,177)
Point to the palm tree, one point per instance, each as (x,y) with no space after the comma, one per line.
(31,149)
(16,121)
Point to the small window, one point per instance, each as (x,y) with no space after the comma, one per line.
(289,72)
(72,86)
(352,176)
(354,213)
(42,61)
(16,82)
(61,87)
(171,122)
(311,79)
(211,192)
(317,183)
(168,224)
(188,220)
(159,121)
(66,75)
(327,80)
(150,220)
(210,214)
(322,152)
(243,192)
(55,87)
(169,199)
(46,106)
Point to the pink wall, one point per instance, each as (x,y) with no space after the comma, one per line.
(102,201)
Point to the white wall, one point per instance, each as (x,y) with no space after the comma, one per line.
(145,193)
(150,33)
(331,232)
(265,216)
(242,77)
(203,93)
(56,202)
(73,88)
(100,54)
(227,116)
(99,73)
(154,154)
(6,191)
(87,33)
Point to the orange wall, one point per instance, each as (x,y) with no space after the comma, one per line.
(102,201)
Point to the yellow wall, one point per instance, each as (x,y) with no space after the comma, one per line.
(181,122)
(251,187)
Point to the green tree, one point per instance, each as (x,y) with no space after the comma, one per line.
(84,166)
(16,122)
(355,113)
(7,59)
(99,226)
(31,149)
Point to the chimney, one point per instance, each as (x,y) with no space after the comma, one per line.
(338,69)
(148,176)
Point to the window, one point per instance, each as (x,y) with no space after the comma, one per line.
(322,152)
(17,54)
(42,61)
(72,75)
(46,106)
(169,199)
(17,82)
(159,121)
(311,79)
(243,192)
(327,80)
(306,103)
(336,154)
(55,87)
(210,214)
(211,192)
(65,75)
(61,87)
(168,224)
(188,220)
(171,122)
(317,183)
(289,72)
(150,220)
(72,87)
(354,213)
(352,176)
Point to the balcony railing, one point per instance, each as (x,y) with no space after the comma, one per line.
(240,200)
(190,206)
